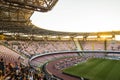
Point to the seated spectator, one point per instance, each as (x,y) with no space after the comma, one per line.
(1,75)
(2,68)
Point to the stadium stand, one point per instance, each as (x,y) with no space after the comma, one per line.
(40,47)
(30,53)
(93,45)
(38,53)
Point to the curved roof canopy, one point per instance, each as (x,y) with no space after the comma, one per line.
(15,18)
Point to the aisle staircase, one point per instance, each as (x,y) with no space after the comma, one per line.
(78,46)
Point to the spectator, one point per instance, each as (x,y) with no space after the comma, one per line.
(1,76)
(2,68)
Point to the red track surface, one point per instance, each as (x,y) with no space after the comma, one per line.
(51,69)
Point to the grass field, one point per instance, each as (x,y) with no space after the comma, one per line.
(96,69)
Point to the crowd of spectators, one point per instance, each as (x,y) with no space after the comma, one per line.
(115,48)
(18,72)
(30,48)
(92,45)
(100,45)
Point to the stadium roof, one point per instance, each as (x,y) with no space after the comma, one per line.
(15,18)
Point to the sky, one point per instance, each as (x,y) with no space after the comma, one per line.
(80,16)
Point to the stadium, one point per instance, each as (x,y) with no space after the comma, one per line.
(29,52)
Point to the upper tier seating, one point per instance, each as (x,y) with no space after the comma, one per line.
(92,45)
(37,47)
(113,45)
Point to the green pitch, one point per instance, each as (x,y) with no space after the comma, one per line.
(96,69)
